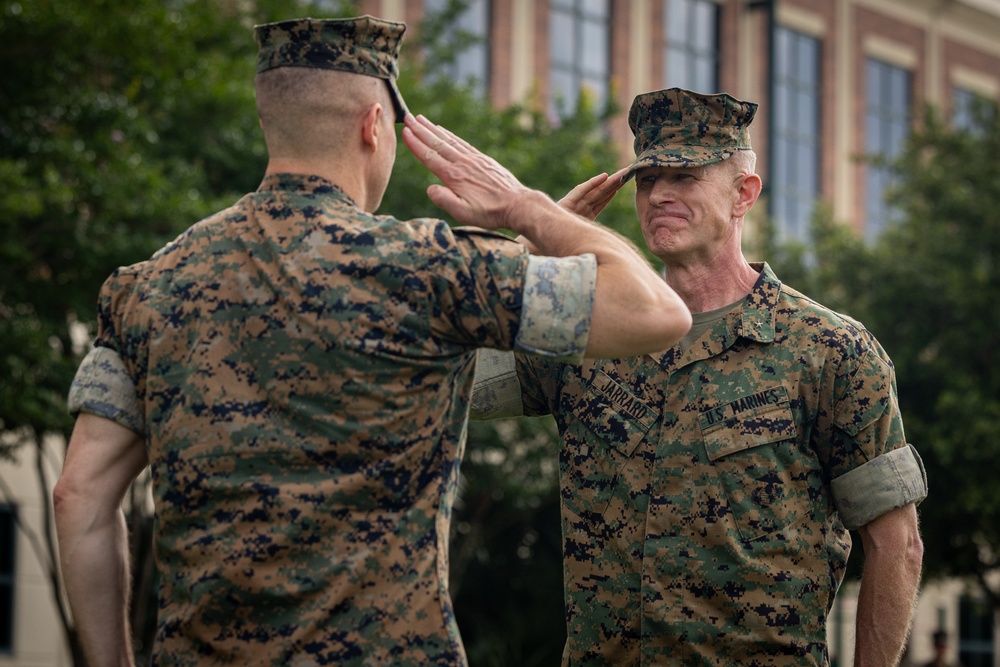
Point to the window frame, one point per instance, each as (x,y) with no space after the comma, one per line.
(796,141)
(574,67)
(691,52)
(458,70)
(888,122)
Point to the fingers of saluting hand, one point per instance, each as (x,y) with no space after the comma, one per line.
(429,144)
(427,141)
(475,188)
(590,197)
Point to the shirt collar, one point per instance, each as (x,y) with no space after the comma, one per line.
(303,184)
(753,319)
(757,311)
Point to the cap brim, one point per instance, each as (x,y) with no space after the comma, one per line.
(677,158)
(397,101)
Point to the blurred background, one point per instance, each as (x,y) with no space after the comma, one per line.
(122,122)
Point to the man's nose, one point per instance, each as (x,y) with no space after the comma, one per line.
(662,192)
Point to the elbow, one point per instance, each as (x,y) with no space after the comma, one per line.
(69,504)
(63,495)
(683,320)
(895,537)
(912,544)
(671,326)
(676,319)
(915,553)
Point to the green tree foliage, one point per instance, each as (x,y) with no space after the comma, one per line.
(929,289)
(122,123)
(942,283)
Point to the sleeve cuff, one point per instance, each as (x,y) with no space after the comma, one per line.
(496,391)
(103,387)
(892,480)
(557,307)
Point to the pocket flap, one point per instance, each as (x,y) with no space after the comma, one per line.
(757,419)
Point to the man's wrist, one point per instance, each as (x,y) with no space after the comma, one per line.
(528,212)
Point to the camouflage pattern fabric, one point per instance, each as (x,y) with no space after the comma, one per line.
(363,45)
(102,386)
(680,128)
(304,371)
(698,519)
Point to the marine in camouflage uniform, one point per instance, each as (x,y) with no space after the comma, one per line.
(707,491)
(300,372)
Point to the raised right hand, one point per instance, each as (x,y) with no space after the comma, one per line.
(477,190)
(590,197)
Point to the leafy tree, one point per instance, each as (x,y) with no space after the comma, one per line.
(929,289)
(943,286)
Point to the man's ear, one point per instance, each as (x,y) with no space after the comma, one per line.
(371,126)
(746,195)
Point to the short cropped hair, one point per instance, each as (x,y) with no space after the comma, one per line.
(308,111)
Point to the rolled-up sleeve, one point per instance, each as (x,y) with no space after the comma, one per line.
(557,307)
(892,480)
(103,387)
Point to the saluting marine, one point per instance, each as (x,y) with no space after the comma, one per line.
(707,490)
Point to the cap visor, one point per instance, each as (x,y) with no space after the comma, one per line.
(397,101)
(672,158)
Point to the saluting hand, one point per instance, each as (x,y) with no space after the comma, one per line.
(476,190)
(590,197)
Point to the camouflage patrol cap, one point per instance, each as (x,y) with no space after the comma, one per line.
(364,45)
(679,128)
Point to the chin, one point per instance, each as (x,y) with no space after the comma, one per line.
(663,245)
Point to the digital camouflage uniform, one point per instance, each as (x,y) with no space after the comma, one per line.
(707,492)
(301,373)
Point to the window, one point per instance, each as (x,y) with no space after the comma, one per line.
(468,33)
(8,544)
(691,59)
(887,123)
(579,38)
(970,111)
(975,633)
(795,166)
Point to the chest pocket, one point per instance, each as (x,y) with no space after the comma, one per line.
(608,421)
(751,443)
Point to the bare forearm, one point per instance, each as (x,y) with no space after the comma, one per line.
(95,572)
(102,460)
(553,230)
(887,598)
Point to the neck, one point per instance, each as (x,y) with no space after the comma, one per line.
(708,286)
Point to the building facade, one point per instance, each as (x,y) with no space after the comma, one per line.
(836,79)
